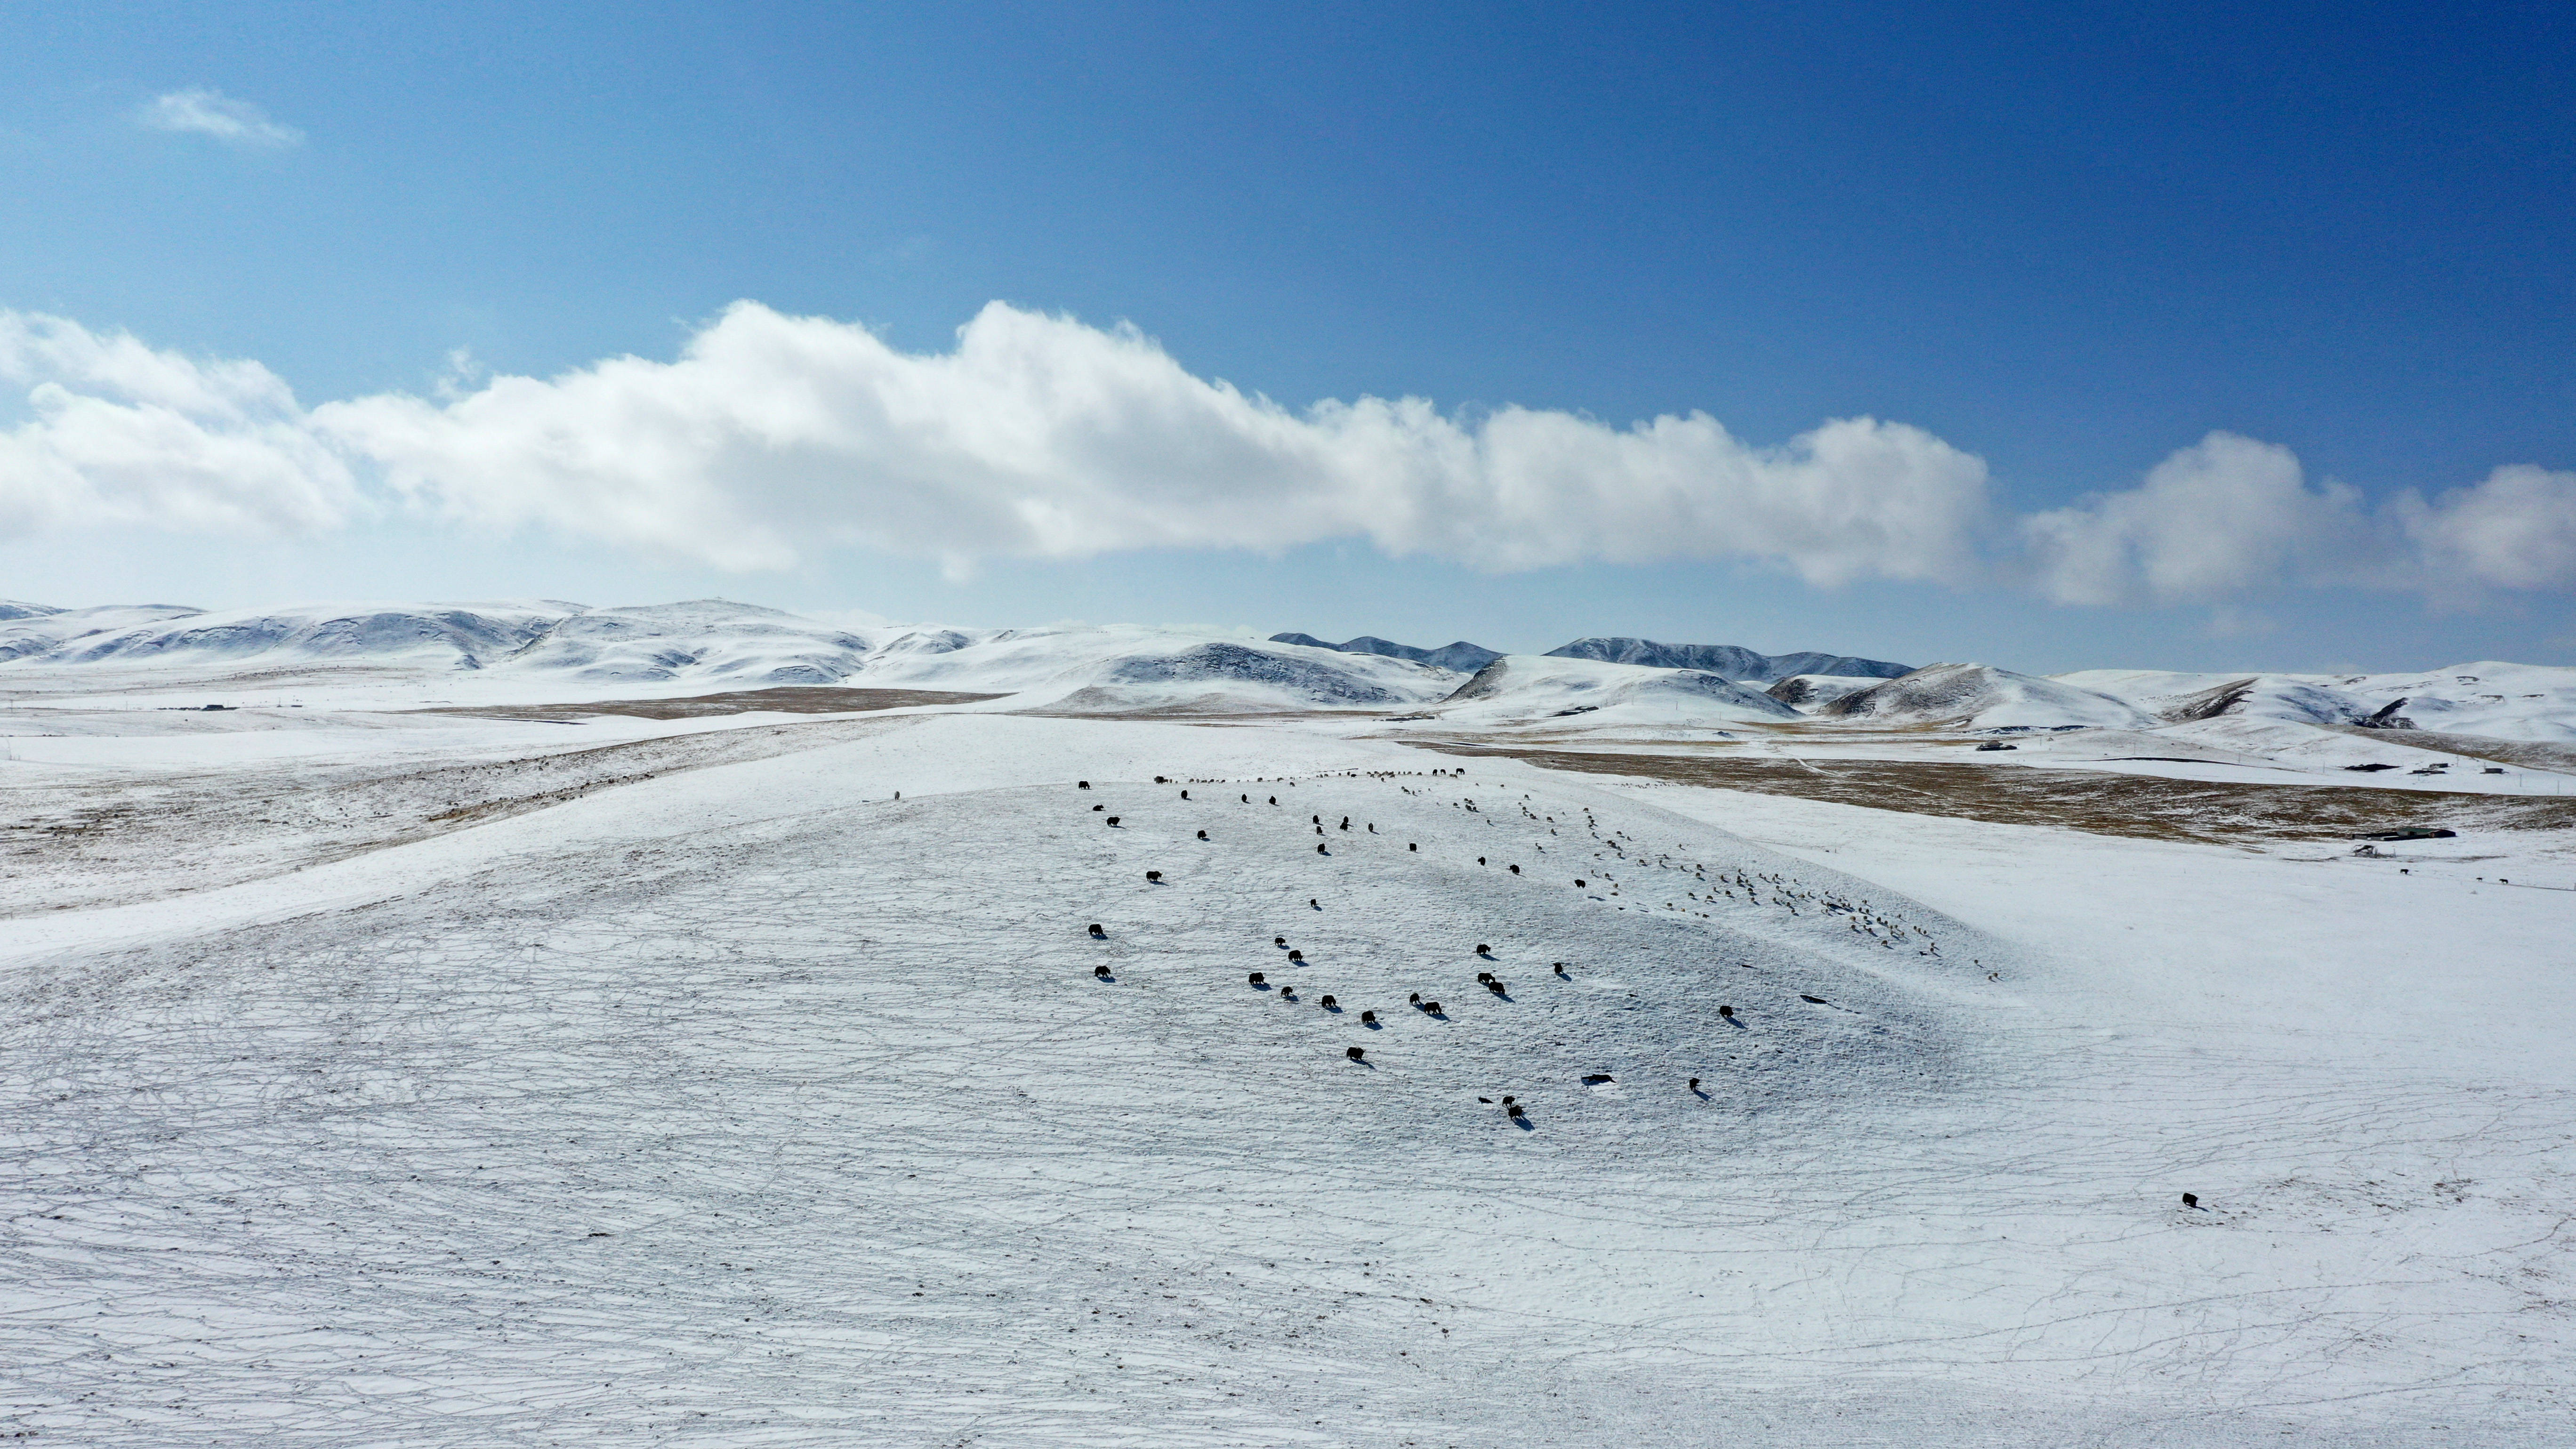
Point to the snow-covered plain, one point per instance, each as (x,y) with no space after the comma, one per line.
(382,1075)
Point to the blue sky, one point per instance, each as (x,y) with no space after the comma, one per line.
(2063,244)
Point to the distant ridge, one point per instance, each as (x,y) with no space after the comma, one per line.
(1727,661)
(1462,656)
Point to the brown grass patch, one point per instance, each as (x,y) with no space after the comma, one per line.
(785,699)
(2104,804)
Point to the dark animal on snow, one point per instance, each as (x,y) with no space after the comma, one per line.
(1096,931)
(1278,940)
(1202,835)
(1320,850)
(1516,870)
(1495,986)
(1315,820)
(1159,780)
(1082,784)
(1368,1018)
(1113,819)
(1153,875)
(1100,971)
(1346,822)
(1296,955)
(1483,977)
(1431,1008)
(1409,845)
(1560,968)
(1185,794)
(1578,885)
(1480,860)
(1097,808)
(1415,999)
(1274,799)
(1310,900)
(1354,1053)
(1329,1004)
(1482,948)
(2191,1199)
(1694,1085)
(1514,1110)
(1726,1011)
(1509,1099)
(1256,978)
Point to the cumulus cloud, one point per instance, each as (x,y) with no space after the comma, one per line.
(212,113)
(772,438)
(121,433)
(1039,436)
(2231,516)
(2515,530)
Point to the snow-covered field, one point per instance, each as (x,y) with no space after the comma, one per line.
(380,1076)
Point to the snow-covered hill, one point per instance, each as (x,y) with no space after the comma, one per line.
(2504,701)
(1725,660)
(1976,696)
(548,650)
(33,631)
(667,1082)
(1811,692)
(1461,656)
(717,643)
(1554,692)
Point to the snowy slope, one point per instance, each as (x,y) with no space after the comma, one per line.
(1978,696)
(735,1102)
(36,631)
(440,636)
(1546,690)
(1811,692)
(1459,655)
(2505,701)
(710,640)
(1122,668)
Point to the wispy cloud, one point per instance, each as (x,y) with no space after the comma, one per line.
(212,113)
(771,438)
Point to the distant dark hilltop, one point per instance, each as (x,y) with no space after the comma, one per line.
(1726,661)
(1462,656)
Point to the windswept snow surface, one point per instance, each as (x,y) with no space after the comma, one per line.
(697,1088)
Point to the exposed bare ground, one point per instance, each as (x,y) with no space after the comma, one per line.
(785,699)
(2105,804)
(2527,754)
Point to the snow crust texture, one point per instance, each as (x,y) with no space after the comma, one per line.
(720,1096)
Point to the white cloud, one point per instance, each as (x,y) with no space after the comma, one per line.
(212,113)
(772,439)
(1041,437)
(2515,530)
(2230,516)
(121,433)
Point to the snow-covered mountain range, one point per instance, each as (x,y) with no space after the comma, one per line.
(1590,684)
